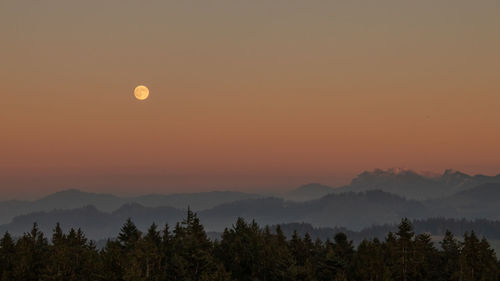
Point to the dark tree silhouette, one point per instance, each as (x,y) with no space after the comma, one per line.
(244,252)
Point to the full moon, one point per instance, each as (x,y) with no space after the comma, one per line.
(141,92)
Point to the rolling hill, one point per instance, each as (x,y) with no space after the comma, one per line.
(71,199)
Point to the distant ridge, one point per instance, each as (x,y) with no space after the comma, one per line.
(482,201)
(403,182)
(73,198)
(377,196)
(351,210)
(416,185)
(308,192)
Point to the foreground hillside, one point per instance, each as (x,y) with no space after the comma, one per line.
(244,252)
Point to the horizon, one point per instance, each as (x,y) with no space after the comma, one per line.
(250,140)
(243,95)
(272,191)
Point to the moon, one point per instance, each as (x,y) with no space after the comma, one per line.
(141,92)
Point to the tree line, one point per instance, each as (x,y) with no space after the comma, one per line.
(436,226)
(244,252)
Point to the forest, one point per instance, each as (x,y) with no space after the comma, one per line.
(245,251)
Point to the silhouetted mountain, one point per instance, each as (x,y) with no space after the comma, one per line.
(197,201)
(144,216)
(350,210)
(454,195)
(309,192)
(12,208)
(482,201)
(97,224)
(414,185)
(70,199)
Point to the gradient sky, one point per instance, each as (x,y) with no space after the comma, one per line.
(245,95)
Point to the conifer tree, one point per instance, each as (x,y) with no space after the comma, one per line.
(241,250)
(113,264)
(405,264)
(7,257)
(426,259)
(369,263)
(193,252)
(450,255)
(477,259)
(129,235)
(245,252)
(31,253)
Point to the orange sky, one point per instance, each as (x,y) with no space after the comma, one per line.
(245,95)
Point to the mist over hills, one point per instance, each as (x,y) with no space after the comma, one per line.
(350,210)
(72,198)
(482,201)
(309,192)
(403,182)
(353,211)
(96,224)
(415,185)
(373,198)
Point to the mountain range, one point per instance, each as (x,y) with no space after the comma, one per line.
(350,210)
(416,185)
(372,198)
(72,198)
(403,182)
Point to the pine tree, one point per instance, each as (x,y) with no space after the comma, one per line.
(490,269)
(426,259)
(241,250)
(338,261)
(477,259)
(31,251)
(369,262)
(319,259)
(166,254)
(7,257)
(71,257)
(450,257)
(301,251)
(245,252)
(193,252)
(57,265)
(145,257)
(113,264)
(129,235)
(404,265)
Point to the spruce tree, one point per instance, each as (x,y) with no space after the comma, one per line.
(129,235)
(405,265)
(31,253)
(450,256)
(7,257)
(426,259)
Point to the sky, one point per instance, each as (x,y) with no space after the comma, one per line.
(244,95)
